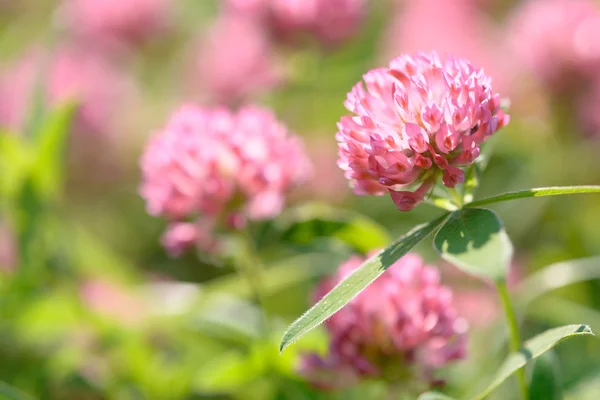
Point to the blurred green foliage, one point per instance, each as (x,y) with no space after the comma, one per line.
(194,329)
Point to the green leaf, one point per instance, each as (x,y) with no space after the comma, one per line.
(30,219)
(304,224)
(42,181)
(536,192)
(37,107)
(434,396)
(475,241)
(532,349)
(556,276)
(50,149)
(8,392)
(15,156)
(545,382)
(346,290)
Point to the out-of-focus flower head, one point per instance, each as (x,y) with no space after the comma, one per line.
(69,74)
(330,21)
(401,327)
(113,301)
(457,27)
(236,60)
(220,167)
(418,119)
(557,39)
(116,22)
(181,236)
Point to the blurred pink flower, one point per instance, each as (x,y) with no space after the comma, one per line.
(248,7)
(418,119)
(217,165)
(457,27)
(236,60)
(330,21)
(557,39)
(110,22)
(8,249)
(113,301)
(181,236)
(70,74)
(402,326)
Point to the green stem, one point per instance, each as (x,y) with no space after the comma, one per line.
(250,268)
(536,192)
(457,197)
(513,328)
(441,202)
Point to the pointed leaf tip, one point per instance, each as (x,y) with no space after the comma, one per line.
(532,349)
(354,283)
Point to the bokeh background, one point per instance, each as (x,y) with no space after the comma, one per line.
(91,305)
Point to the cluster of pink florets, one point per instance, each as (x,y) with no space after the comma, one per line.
(220,166)
(402,326)
(419,118)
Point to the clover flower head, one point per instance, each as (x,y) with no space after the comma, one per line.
(214,166)
(421,117)
(402,326)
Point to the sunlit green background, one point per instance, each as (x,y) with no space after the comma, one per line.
(156,327)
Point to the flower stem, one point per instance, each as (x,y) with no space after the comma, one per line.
(441,202)
(455,196)
(513,328)
(250,268)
